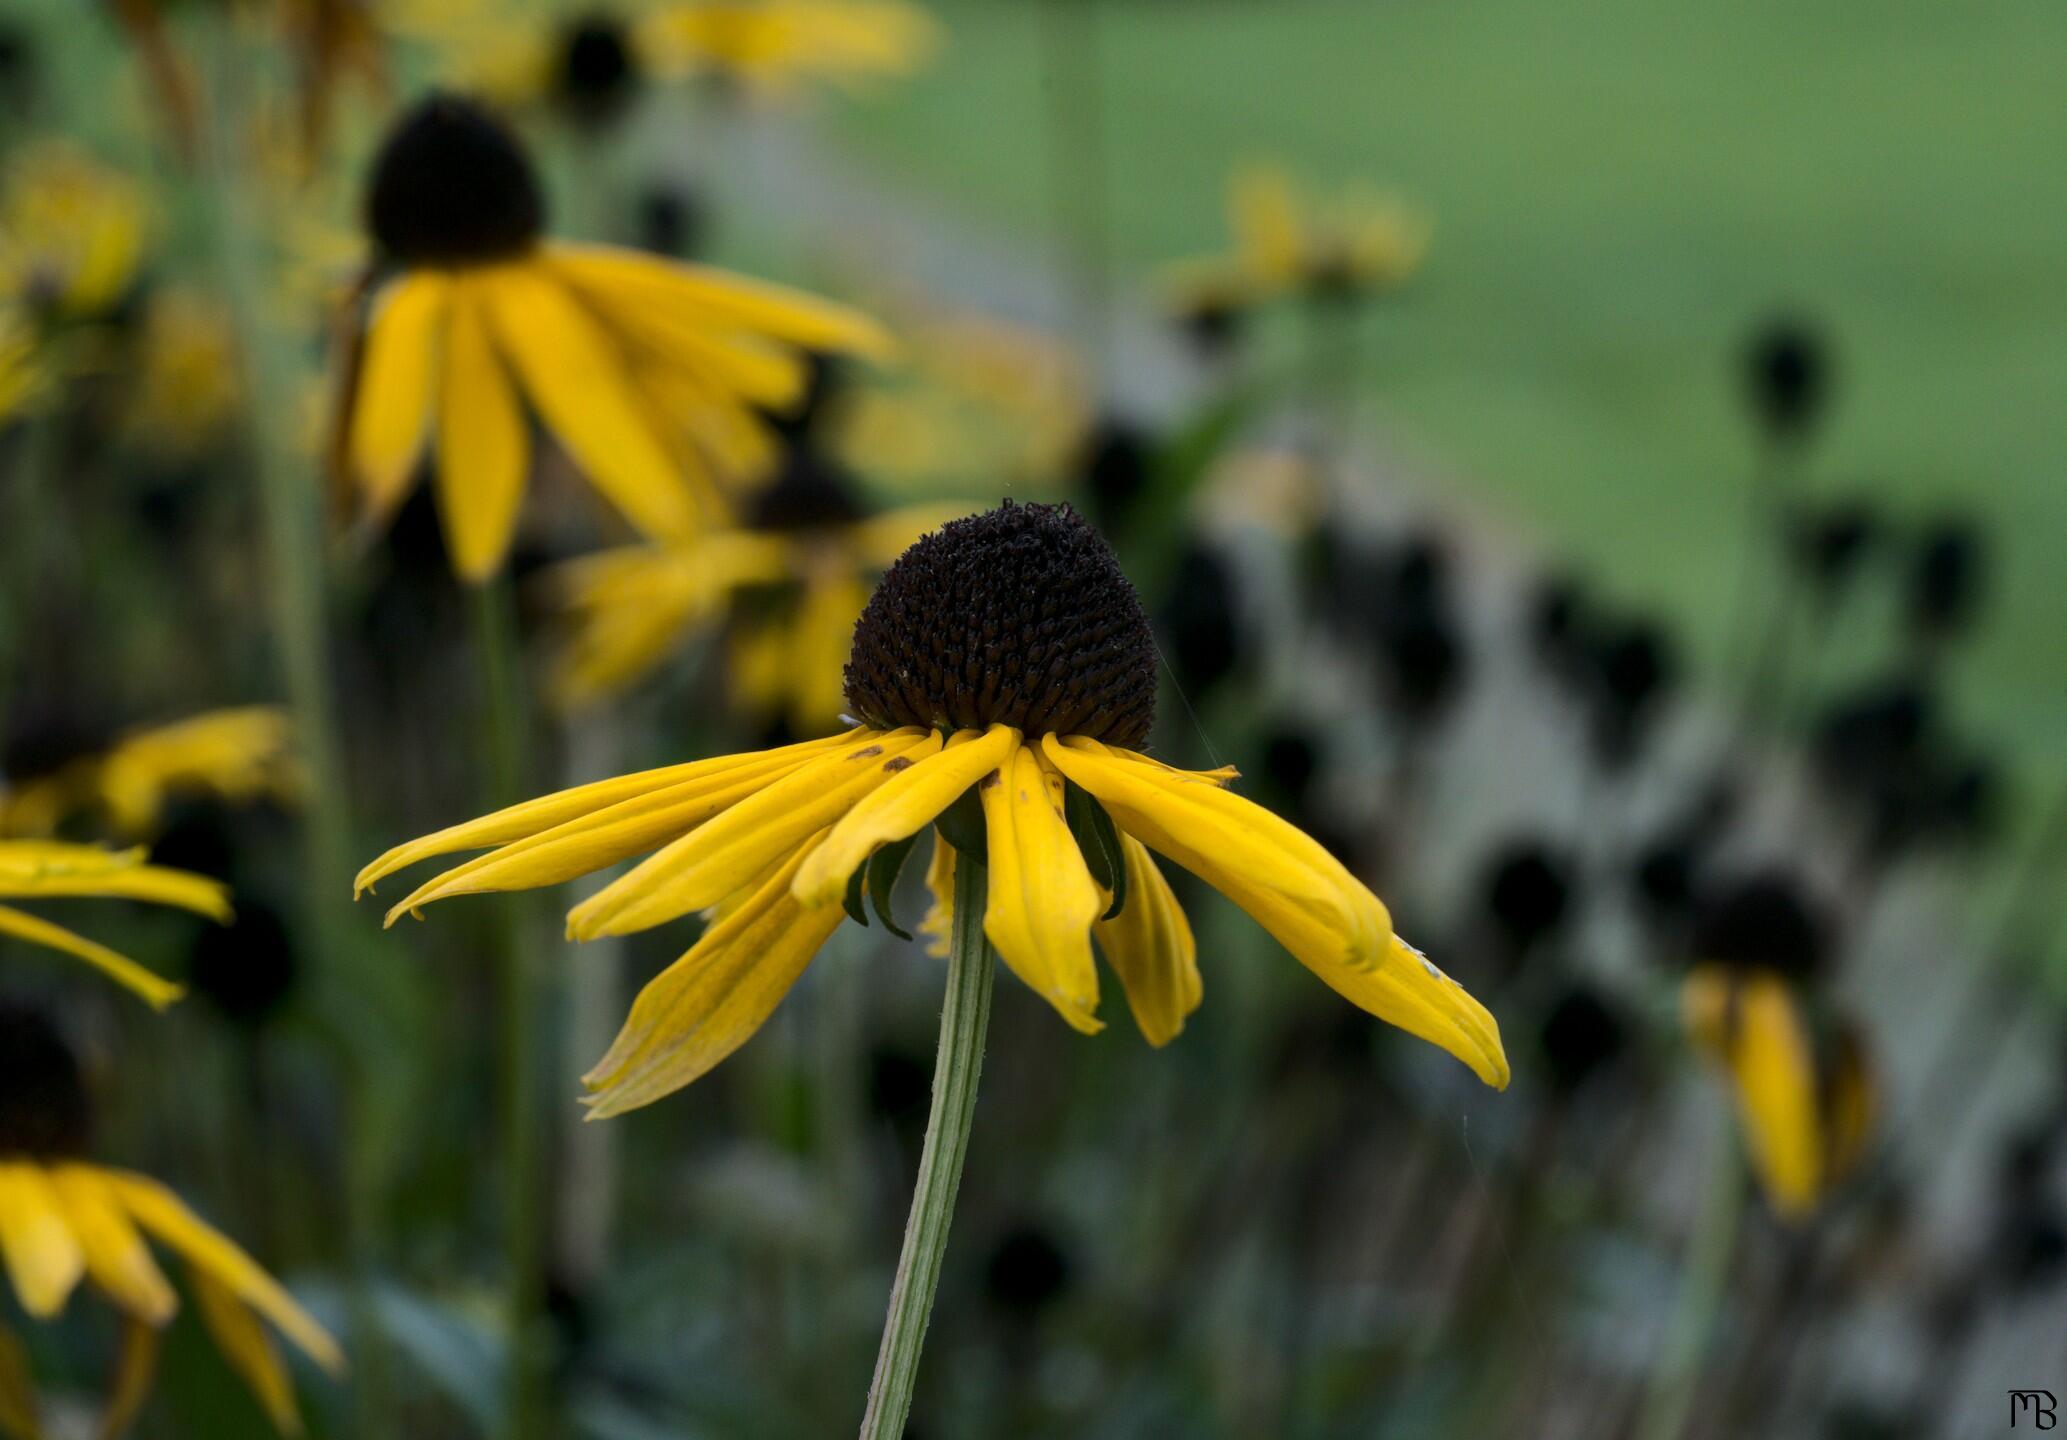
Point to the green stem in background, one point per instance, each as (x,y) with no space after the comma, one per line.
(295,582)
(964,1017)
(1670,1396)
(505,701)
(1076,162)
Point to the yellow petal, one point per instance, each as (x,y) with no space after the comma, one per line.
(1752,1025)
(1284,878)
(533,817)
(604,837)
(577,382)
(904,805)
(210,1252)
(152,884)
(248,1349)
(724,301)
(136,1366)
(116,1256)
(1042,898)
(1316,909)
(484,449)
(1265,212)
(822,637)
(42,1255)
(1410,992)
(1150,947)
(708,864)
(708,1003)
(397,383)
(154,990)
(939,925)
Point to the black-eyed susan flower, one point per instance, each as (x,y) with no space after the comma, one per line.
(1002,684)
(240,756)
(65,1219)
(791,579)
(72,233)
(1359,242)
(54,870)
(774,47)
(1802,1086)
(634,363)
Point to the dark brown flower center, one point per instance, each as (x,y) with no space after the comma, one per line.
(43,1109)
(451,186)
(1019,616)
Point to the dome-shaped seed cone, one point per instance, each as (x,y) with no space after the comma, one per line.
(1019,616)
(452,186)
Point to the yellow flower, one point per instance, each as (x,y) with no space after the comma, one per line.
(792,581)
(238,755)
(186,373)
(1003,682)
(23,378)
(1361,242)
(770,47)
(71,232)
(64,1219)
(482,315)
(1805,1108)
(49,869)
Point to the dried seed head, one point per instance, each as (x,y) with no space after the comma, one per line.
(1019,616)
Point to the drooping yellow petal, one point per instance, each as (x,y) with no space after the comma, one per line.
(1150,947)
(577,382)
(248,1349)
(1042,898)
(533,817)
(1265,212)
(1283,877)
(708,1003)
(32,860)
(209,1251)
(1750,1024)
(938,926)
(1409,991)
(1289,884)
(136,1366)
(19,1418)
(153,884)
(484,449)
(708,864)
(154,990)
(397,386)
(903,805)
(42,1254)
(116,1256)
(724,301)
(603,837)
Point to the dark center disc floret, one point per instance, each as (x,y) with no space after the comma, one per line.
(809,492)
(452,186)
(1019,616)
(43,1109)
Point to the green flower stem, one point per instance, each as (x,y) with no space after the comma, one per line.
(1670,1396)
(505,702)
(964,1017)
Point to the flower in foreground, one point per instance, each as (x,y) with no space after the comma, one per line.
(644,369)
(50,870)
(1003,683)
(64,1219)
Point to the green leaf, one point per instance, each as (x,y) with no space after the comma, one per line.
(962,824)
(853,897)
(1099,839)
(883,869)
